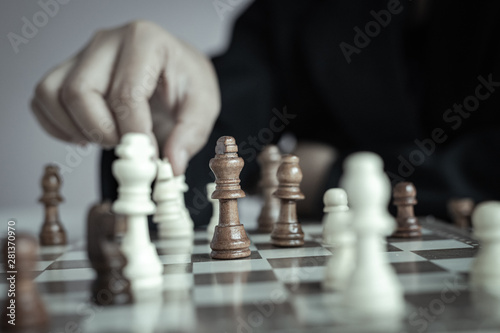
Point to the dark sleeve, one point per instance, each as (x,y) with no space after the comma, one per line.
(248,95)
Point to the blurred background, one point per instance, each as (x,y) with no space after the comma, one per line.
(62,28)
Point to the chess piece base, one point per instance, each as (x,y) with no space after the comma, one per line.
(287,234)
(411,229)
(52,238)
(230,242)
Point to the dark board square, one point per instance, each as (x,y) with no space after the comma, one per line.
(177,268)
(447,253)
(305,287)
(269,246)
(233,277)
(298,261)
(57,287)
(49,256)
(201,242)
(67,264)
(416,267)
(392,248)
(203,257)
(426,237)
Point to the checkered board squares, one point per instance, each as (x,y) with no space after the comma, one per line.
(274,290)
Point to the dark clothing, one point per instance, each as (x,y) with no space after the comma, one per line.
(382,76)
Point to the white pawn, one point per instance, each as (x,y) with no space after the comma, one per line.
(135,171)
(170,213)
(337,232)
(335,201)
(485,273)
(214,220)
(373,289)
(183,187)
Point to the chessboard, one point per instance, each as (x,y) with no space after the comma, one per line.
(273,290)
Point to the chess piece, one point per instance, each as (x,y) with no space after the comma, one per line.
(269,161)
(230,240)
(404,199)
(485,273)
(171,215)
(135,170)
(337,233)
(287,231)
(214,220)
(52,232)
(460,211)
(336,210)
(24,311)
(110,287)
(183,188)
(373,289)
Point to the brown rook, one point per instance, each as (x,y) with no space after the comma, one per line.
(230,240)
(405,199)
(287,231)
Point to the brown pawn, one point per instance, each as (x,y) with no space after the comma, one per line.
(230,240)
(30,312)
(52,232)
(287,231)
(460,211)
(110,287)
(405,199)
(269,161)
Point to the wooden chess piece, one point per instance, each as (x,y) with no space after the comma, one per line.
(405,199)
(287,231)
(111,286)
(269,161)
(460,211)
(230,240)
(24,310)
(52,232)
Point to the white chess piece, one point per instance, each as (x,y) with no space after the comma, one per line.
(485,273)
(214,220)
(135,171)
(335,201)
(171,214)
(183,187)
(373,289)
(337,232)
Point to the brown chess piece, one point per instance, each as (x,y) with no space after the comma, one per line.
(52,232)
(25,309)
(269,161)
(287,231)
(230,240)
(460,211)
(110,286)
(405,199)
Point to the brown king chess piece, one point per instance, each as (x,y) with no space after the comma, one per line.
(269,161)
(287,231)
(110,287)
(230,240)
(24,311)
(405,198)
(460,211)
(52,232)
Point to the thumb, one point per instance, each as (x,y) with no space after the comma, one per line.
(193,126)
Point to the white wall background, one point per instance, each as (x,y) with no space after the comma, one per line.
(24,147)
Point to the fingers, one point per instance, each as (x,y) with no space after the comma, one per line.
(83,90)
(192,129)
(48,109)
(140,63)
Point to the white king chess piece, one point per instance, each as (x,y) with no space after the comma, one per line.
(135,171)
